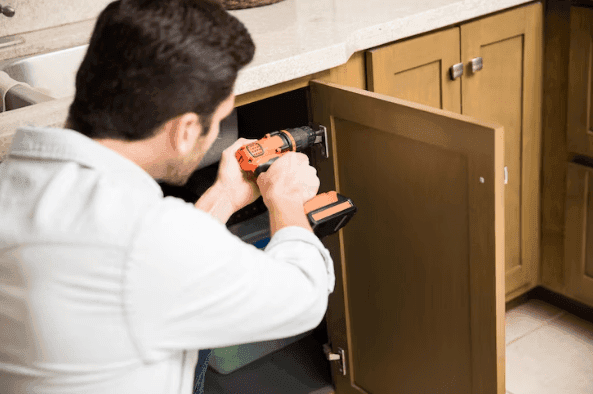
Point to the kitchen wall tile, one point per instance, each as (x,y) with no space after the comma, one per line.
(528,317)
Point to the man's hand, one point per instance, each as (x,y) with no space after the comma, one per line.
(289,180)
(286,186)
(239,186)
(233,188)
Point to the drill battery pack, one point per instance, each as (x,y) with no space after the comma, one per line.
(329,212)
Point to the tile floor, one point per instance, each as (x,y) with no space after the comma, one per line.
(548,351)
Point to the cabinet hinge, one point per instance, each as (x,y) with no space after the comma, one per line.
(340,356)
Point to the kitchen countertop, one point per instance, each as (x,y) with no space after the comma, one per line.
(295,38)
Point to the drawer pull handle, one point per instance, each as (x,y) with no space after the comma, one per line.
(456,71)
(477,64)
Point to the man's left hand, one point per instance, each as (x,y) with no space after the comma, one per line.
(239,186)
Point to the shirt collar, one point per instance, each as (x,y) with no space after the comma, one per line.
(65,144)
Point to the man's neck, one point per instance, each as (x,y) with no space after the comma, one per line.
(140,152)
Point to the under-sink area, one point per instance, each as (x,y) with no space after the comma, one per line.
(47,76)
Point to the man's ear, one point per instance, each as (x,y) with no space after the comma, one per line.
(184,132)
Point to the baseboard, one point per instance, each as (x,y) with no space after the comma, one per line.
(571,306)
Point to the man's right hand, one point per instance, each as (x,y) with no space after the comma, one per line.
(285,187)
(290,178)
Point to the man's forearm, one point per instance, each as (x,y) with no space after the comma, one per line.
(287,213)
(282,213)
(215,202)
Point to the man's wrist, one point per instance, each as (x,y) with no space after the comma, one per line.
(287,212)
(216,202)
(282,202)
(223,191)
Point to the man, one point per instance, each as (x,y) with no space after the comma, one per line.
(106,286)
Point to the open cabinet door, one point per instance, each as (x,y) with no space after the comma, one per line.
(419,300)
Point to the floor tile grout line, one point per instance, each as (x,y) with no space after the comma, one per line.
(545,323)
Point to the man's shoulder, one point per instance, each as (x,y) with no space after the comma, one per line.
(67,202)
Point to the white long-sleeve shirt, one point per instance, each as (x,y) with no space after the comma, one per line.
(107,287)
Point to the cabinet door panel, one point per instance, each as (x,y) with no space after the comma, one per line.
(422,185)
(580,82)
(418,70)
(419,304)
(578,234)
(507,91)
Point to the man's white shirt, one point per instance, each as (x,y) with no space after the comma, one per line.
(107,287)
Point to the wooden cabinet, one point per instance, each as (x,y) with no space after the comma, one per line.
(419,300)
(566,126)
(578,235)
(506,90)
(580,82)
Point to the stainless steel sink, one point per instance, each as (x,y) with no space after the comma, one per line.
(51,75)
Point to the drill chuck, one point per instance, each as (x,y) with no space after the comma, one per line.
(302,138)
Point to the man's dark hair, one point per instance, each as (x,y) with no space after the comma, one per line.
(149,61)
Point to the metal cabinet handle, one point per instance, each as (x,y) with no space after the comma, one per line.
(456,71)
(477,64)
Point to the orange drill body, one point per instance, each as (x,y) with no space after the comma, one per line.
(266,150)
(327,212)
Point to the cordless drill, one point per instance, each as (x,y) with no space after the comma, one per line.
(327,212)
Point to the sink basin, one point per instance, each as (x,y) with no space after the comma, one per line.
(52,74)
